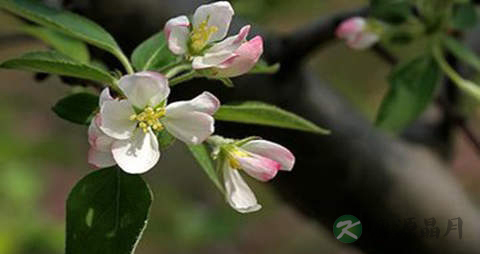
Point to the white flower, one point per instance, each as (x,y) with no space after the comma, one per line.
(199,41)
(357,33)
(124,131)
(261,160)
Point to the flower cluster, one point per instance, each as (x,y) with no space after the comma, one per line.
(202,41)
(125,130)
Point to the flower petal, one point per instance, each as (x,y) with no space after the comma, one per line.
(114,119)
(363,41)
(246,56)
(145,88)
(189,127)
(238,194)
(218,14)
(272,151)
(205,103)
(177,34)
(259,167)
(105,96)
(231,43)
(350,27)
(100,159)
(138,154)
(97,138)
(222,51)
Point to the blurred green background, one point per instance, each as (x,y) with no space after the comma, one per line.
(42,156)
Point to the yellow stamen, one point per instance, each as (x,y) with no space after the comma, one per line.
(157,126)
(149,110)
(232,154)
(141,116)
(149,118)
(200,36)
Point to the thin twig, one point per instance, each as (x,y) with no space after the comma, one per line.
(458,120)
(384,54)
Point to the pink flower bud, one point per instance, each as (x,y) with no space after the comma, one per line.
(243,59)
(356,33)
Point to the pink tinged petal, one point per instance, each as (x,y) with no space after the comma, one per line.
(219,14)
(356,34)
(100,159)
(222,51)
(259,167)
(238,194)
(363,41)
(114,119)
(246,56)
(105,96)
(272,151)
(205,103)
(138,154)
(231,43)
(97,139)
(93,132)
(350,27)
(210,60)
(145,88)
(177,33)
(189,127)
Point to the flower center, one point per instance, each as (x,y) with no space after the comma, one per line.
(200,36)
(149,118)
(232,154)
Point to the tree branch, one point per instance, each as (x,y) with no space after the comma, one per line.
(296,46)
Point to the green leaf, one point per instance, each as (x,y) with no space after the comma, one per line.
(462,52)
(262,67)
(152,54)
(77,108)
(165,140)
(65,22)
(107,212)
(265,114)
(57,63)
(464,16)
(62,43)
(393,11)
(202,155)
(412,86)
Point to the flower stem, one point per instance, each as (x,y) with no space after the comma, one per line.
(177,69)
(467,86)
(115,88)
(171,65)
(182,78)
(125,62)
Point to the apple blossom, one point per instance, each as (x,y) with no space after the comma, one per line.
(261,160)
(200,41)
(124,131)
(357,33)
